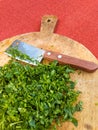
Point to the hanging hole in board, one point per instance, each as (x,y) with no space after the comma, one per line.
(48,20)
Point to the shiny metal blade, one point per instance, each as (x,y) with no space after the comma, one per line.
(30,50)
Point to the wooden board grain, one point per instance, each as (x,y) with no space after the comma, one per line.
(87,83)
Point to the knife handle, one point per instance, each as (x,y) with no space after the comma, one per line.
(74,62)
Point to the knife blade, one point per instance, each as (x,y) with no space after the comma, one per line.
(38,54)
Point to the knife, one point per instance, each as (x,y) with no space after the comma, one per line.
(37,54)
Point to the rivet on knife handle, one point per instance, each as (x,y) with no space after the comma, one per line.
(75,62)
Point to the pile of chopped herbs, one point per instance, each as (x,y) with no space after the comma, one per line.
(33,98)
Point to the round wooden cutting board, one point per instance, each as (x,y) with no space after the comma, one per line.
(87,83)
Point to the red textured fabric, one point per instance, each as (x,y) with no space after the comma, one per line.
(78,19)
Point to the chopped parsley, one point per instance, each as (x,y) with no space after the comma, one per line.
(32,98)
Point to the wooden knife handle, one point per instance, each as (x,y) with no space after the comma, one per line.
(75,62)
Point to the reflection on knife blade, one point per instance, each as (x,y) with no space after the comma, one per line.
(24,52)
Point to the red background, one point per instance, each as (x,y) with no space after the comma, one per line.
(78,19)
